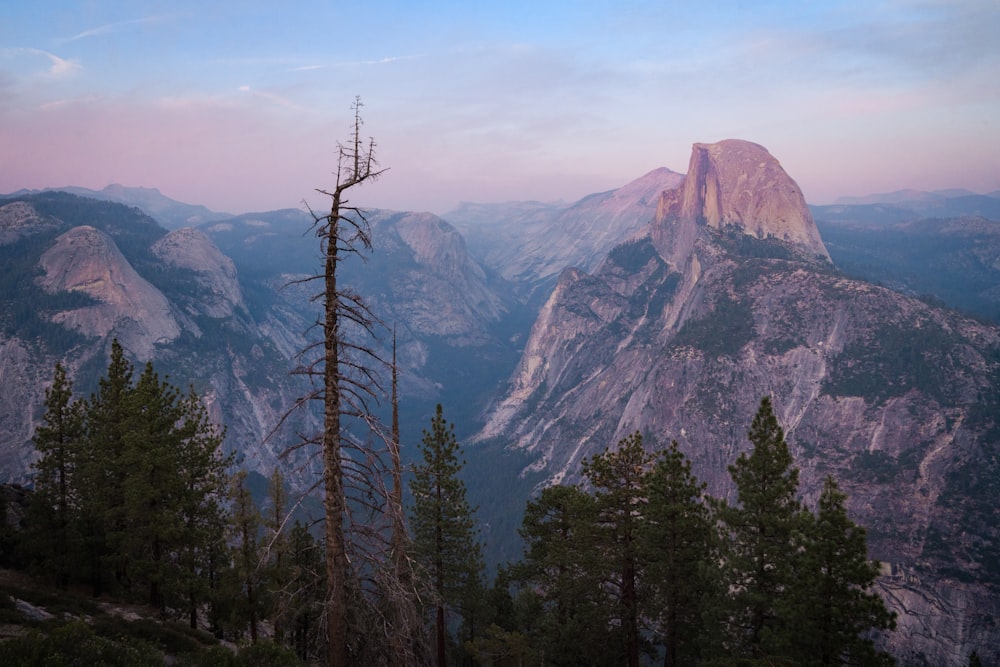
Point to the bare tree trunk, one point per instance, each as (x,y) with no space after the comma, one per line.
(398,529)
(399,649)
(442,657)
(334,501)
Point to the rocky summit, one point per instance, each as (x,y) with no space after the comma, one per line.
(731,296)
(734,184)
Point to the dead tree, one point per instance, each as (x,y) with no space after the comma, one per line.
(371,611)
(348,379)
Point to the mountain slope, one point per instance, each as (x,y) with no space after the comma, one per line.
(679,334)
(79,272)
(531,243)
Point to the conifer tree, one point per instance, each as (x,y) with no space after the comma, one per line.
(679,547)
(305,592)
(561,573)
(58,441)
(152,486)
(833,608)
(760,554)
(619,478)
(204,477)
(444,532)
(277,552)
(102,471)
(247,575)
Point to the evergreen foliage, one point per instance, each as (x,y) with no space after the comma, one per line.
(59,440)
(619,478)
(560,578)
(680,546)
(759,552)
(128,488)
(246,579)
(444,535)
(832,605)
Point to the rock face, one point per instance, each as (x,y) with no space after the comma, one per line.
(86,260)
(441,290)
(532,242)
(20,219)
(192,250)
(108,271)
(738,184)
(680,333)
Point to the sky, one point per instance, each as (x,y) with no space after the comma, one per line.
(239,105)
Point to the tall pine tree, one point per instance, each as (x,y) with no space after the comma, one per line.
(445,540)
(561,573)
(679,547)
(52,511)
(760,553)
(102,471)
(833,607)
(619,480)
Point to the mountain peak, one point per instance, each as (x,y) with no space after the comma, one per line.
(736,183)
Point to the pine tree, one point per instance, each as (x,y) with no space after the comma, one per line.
(833,607)
(204,477)
(561,577)
(760,553)
(679,546)
(246,575)
(102,470)
(619,478)
(151,485)
(444,531)
(51,515)
(305,587)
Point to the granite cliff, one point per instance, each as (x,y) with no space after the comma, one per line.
(127,306)
(81,272)
(729,296)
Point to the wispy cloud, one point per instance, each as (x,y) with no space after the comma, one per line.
(57,66)
(271,97)
(353,63)
(114,27)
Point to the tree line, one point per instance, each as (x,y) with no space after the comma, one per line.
(636,564)
(133,498)
(633,565)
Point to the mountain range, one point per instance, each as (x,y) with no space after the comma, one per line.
(549,331)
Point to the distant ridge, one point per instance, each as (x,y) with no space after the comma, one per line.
(170,213)
(910,195)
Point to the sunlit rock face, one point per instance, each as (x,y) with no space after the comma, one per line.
(87,260)
(735,184)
